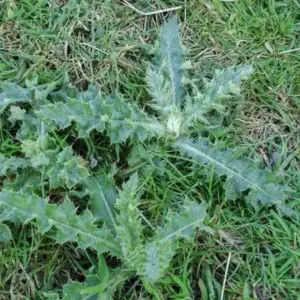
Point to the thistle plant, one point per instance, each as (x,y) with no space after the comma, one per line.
(112,222)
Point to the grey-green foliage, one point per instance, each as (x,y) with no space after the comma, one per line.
(12,164)
(5,234)
(172,58)
(241,174)
(151,259)
(224,84)
(160,250)
(129,227)
(195,105)
(113,222)
(164,78)
(12,93)
(120,119)
(22,208)
(102,197)
(66,170)
(38,151)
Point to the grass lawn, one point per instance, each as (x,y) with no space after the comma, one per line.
(253,253)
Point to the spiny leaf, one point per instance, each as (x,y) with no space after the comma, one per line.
(22,208)
(103,197)
(5,233)
(12,164)
(241,174)
(225,83)
(38,151)
(129,227)
(86,115)
(72,291)
(126,120)
(160,89)
(16,114)
(12,93)
(171,54)
(121,119)
(66,170)
(159,252)
(32,127)
(27,181)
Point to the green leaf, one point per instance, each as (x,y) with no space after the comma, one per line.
(5,233)
(16,114)
(121,119)
(103,269)
(71,290)
(23,208)
(161,249)
(171,55)
(38,151)
(126,120)
(51,296)
(129,227)
(12,164)
(27,181)
(12,93)
(66,170)
(86,115)
(160,89)
(241,174)
(225,83)
(103,195)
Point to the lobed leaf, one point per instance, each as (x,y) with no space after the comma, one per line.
(5,233)
(16,114)
(159,251)
(66,170)
(12,164)
(225,83)
(129,229)
(12,93)
(160,90)
(38,151)
(127,121)
(86,115)
(32,128)
(171,55)
(121,119)
(103,195)
(23,208)
(241,174)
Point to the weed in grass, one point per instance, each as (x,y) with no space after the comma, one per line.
(263,246)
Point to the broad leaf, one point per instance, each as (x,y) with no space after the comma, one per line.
(171,55)
(103,195)
(12,93)
(129,227)
(22,208)
(159,252)
(241,174)
(12,164)
(225,83)
(5,233)
(121,119)
(66,170)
